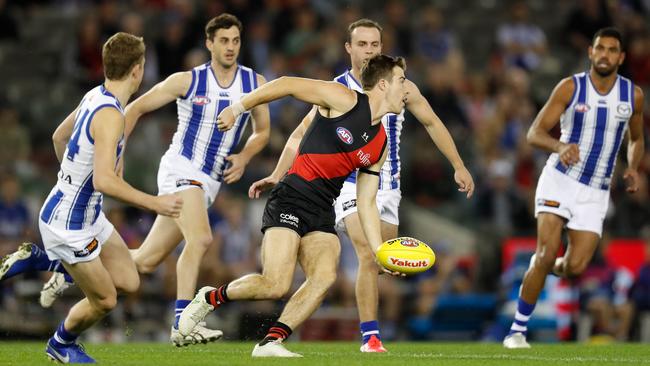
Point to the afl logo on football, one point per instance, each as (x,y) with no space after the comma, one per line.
(409,243)
(200,100)
(345,135)
(582,108)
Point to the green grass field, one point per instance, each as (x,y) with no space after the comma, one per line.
(341,354)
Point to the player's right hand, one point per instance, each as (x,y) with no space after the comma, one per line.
(569,154)
(262,185)
(225,119)
(168,205)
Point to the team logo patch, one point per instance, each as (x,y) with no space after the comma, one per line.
(349,204)
(409,243)
(188,182)
(548,203)
(287,218)
(91,247)
(624,110)
(200,100)
(582,108)
(345,135)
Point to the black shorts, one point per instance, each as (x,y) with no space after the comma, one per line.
(288,208)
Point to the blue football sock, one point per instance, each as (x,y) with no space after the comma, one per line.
(63,337)
(520,324)
(180,305)
(369,329)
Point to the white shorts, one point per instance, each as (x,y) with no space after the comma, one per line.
(75,246)
(584,207)
(176,173)
(387,204)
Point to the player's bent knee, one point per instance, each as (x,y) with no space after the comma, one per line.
(545,261)
(130,285)
(575,267)
(202,242)
(105,304)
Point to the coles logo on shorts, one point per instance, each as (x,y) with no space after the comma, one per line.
(409,243)
(200,100)
(349,204)
(286,218)
(344,135)
(91,247)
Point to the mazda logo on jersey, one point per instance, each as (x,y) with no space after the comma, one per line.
(200,100)
(582,108)
(345,135)
(624,110)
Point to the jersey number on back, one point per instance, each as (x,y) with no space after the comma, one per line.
(73,144)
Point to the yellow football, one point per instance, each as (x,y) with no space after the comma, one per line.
(405,255)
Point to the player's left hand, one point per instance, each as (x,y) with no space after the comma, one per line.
(236,169)
(631,178)
(262,185)
(464,181)
(225,119)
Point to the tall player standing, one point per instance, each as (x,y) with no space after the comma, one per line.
(72,224)
(595,109)
(298,224)
(364,42)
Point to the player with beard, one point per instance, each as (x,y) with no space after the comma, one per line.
(596,109)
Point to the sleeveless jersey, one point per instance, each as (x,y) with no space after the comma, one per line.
(390,171)
(197,137)
(332,148)
(73,203)
(597,123)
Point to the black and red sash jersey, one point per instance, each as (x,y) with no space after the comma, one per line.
(332,148)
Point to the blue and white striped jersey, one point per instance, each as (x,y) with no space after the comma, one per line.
(73,203)
(597,123)
(390,171)
(197,137)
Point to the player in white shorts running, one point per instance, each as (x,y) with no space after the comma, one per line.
(198,160)
(364,42)
(596,109)
(89,144)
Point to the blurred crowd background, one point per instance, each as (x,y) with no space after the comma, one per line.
(486,67)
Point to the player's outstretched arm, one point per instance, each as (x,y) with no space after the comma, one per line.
(256,141)
(286,158)
(327,94)
(367,185)
(106,130)
(62,134)
(175,86)
(538,134)
(636,143)
(421,109)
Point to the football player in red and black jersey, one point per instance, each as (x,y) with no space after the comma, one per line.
(298,224)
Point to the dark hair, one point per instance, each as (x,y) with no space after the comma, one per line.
(379,67)
(120,53)
(223,21)
(366,23)
(610,32)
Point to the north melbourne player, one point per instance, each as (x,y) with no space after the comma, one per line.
(596,109)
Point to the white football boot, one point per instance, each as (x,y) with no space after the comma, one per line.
(53,289)
(195,312)
(273,349)
(200,334)
(515,341)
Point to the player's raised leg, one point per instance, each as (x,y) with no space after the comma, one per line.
(279,254)
(319,257)
(582,245)
(549,236)
(99,279)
